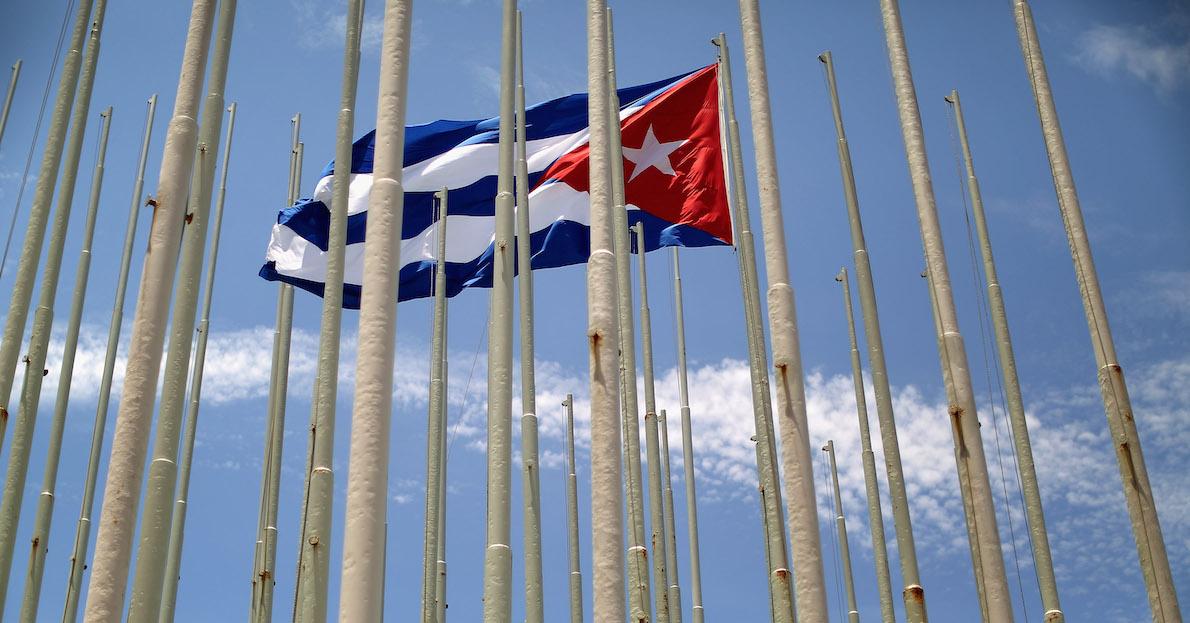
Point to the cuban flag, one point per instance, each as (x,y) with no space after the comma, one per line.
(673,174)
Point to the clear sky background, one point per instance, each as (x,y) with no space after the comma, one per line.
(1121,76)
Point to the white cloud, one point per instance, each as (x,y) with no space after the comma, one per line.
(1138,51)
(322,26)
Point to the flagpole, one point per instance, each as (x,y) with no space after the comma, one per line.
(572,540)
(841,527)
(530,469)
(263,577)
(364,546)
(787,362)
(776,557)
(20,446)
(43,195)
(638,562)
(1142,509)
(652,441)
(314,556)
(125,471)
(1030,489)
(913,594)
(45,502)
(964,419)
(687,449)
(440,584)
(671,541)
(871,484)
(12,88)
(435,427)
(607,526)
(173,561)
(82,535)
(156,518)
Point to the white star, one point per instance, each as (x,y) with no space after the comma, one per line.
(652,154)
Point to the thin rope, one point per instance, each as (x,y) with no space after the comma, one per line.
(982,306)
(45,96)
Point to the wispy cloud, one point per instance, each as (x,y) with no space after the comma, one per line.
(323,26)
(1138,51)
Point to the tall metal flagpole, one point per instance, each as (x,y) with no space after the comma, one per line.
(776,558)
(652,441)
(913,594)
(671,539)
(435,429)
(572,541)
(697,612)
(607,525)
(173,561)
(530,467)
(809,585)
(156,518)
(965,422)
(871,484)
(45,502)
(314,556)
(39,212)
(12,89)
(364,542)
(440,583)
(43,316)
(1030,489)
(841,527)
(497,572)
(125,472)
(83,532)
(263,578)
(1142,509)
(638,557)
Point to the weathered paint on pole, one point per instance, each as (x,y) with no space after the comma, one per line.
(12,89)
(21,294)
(364,543)
(113,547)
(638,557)
(497,571)
(809,585)
(912,594)
(263,577)
(652,440)
(530,465)
(697,611)
(1142,509)
(173,561)
(871,483)
(768,475)
(607,525)
(964,419)
(574,559)
(157,516)
(82,537)
(435,426)
(841,527)
(45,502)
(1030,489)
(314,557)
(671,539)
(21,444)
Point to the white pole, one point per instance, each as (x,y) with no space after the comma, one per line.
(607,526)
(809,586)
(841,527)
(362,589)
(82,536)
(113,546)
(435,428)
(12,89)
(572,540)
(687,449)
(45,502)
(671,540)
(1142,508)
(981,520)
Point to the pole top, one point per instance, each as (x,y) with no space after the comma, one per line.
(953,98)
(842,276)
(825,57)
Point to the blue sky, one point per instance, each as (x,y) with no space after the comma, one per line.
(1121,74)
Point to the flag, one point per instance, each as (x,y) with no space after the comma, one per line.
(673,172)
